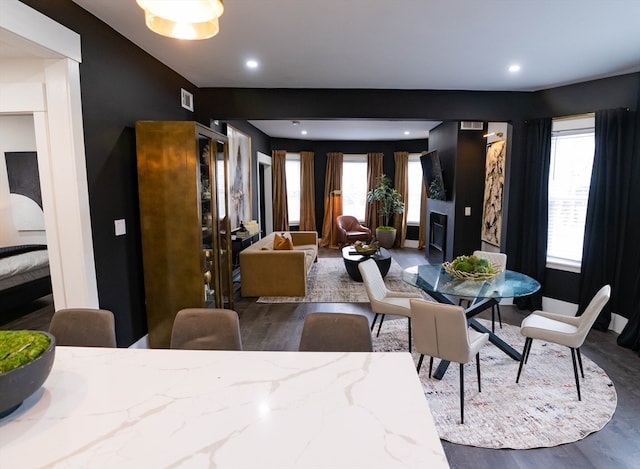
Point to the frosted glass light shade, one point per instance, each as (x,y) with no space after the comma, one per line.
(183,19)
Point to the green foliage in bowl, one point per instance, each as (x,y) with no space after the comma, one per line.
(470,268)
(20,347)
(473,265)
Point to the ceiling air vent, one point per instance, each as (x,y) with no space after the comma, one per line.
(468,125)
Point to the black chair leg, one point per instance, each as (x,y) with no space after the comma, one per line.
(380,325)
(580,362)
(575,371)
(409,335)
(420,365)
(499,315)
(525,353)
(526,358)
(430,366)
(461,393)
(375,318)
(478,372)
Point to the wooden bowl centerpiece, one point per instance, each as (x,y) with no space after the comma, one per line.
(365,249)
(471,268)
(26,358)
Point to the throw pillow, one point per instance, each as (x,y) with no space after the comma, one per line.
(282,243)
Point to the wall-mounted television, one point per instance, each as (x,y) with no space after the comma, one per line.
(432,174)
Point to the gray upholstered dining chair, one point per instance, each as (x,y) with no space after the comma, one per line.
(384,301)
(441,331)
(570,331)
(83,327)
(206,329)
(335,332)
(499,260)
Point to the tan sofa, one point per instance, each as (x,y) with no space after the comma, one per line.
(268,272)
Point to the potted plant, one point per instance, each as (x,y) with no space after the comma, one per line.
(389,203)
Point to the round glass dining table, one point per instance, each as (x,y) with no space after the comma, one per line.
(434,280)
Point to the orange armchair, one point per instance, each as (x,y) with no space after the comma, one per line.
(350,230)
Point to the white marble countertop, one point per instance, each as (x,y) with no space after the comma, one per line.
(127,408)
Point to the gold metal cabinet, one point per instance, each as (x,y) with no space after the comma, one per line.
(182,219)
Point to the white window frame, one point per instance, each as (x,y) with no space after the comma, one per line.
(355,158)
(567,127)
(291,158)
(413,158)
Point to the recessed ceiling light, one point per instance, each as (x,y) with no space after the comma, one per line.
(304,132)
(514,68)
(295,122)
(406,132)
(252,63)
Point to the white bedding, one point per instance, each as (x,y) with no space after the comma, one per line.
(23,263)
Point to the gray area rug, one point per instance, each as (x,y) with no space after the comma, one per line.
(541,411)
(328,282)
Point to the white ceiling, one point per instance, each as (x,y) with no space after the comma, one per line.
(399,44)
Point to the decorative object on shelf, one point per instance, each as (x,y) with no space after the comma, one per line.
(187,19)
(26,358)
(365,249)
(389,203)
(471,268)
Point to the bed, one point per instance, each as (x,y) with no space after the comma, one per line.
(24,274)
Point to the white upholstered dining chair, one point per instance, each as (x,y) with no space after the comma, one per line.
(441,331)
(570,331)
(384,301)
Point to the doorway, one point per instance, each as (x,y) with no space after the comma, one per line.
(265,195)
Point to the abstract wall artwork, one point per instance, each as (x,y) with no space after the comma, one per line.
(239,177)
(493,192)
(24,190)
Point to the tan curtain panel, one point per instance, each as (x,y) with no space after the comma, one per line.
(401,184)
(332,200)
(307,193)
(374,169)
(280,209)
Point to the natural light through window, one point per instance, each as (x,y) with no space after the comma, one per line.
(412,204)
(292,168)
(572,151)
(354,185)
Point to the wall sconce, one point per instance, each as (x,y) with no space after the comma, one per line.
(183,19)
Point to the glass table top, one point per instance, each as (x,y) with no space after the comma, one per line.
(434,279)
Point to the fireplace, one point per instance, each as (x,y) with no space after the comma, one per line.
(437,237)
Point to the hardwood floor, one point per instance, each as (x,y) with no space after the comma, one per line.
(278,327)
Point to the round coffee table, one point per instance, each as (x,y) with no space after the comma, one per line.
(352,258)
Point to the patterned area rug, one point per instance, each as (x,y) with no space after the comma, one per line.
(541,411)
(328,282)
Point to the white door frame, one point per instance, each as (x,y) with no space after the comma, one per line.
(267,217)
(42,78)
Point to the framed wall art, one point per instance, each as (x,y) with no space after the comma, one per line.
(493,193)
(239,177)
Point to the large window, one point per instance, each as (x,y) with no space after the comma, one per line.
(292,169)
(354,185)
(412,204)
(572,151)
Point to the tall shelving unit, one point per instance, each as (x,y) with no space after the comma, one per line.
(186,238)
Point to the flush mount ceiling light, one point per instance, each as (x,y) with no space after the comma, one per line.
(514,68)
(183,19)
